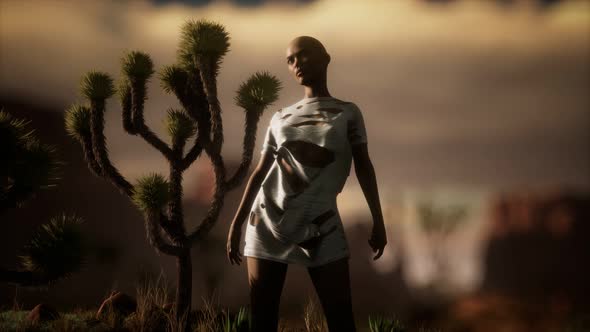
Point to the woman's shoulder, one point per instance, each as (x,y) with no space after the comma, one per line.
(344,104)
(347,106)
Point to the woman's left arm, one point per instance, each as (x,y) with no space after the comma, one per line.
(365,173)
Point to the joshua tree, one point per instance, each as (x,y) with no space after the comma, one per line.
(28,166)
(439,222)
(194,82)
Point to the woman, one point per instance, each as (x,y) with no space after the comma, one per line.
(290,199)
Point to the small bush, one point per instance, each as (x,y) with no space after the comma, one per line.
(384,324)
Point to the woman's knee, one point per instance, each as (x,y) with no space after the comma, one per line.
(332,275)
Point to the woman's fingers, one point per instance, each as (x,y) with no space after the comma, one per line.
(234,256)
(378,254)
(376,248)
(233,250)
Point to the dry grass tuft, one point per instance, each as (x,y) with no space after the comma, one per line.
(313,316)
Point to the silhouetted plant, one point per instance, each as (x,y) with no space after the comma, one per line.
(239,322)
(439,222)
(193,80)
(385,324)
(28,165)
(57,249)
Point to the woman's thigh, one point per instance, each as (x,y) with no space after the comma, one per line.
(266,279)
(332,284)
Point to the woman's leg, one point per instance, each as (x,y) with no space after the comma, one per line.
(332,284)
(266,279)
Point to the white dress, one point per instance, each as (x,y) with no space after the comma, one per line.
(294,217)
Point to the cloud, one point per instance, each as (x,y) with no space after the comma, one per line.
(242,3)
(468,92)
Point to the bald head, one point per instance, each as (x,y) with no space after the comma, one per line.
(309,43)
(307,60)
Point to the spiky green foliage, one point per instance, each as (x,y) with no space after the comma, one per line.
(179,125)
(78,121)
(172,78)
(28,166)
(38,167)
(202,39)
(240,322)
(151,192)
(97,85)
(123,88)
(258,92)
(57,249)
(383,324)
(13,132)
(137,65)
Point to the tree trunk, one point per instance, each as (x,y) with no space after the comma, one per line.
(184,286)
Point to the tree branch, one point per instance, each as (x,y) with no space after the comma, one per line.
(126,105)
(99,148)
(154,236)
(150,137)
(252,119)
(175,210)
(89,156)
(197,106)
(216,202)
(138,92)
(192,155)
(210,87)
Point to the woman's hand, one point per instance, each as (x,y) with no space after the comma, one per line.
(378,239)
(233,244)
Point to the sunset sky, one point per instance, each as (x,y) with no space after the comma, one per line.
(454,93)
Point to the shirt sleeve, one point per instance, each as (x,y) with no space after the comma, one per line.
(269,140)
(357,132)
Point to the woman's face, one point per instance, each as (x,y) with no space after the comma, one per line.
(305,62)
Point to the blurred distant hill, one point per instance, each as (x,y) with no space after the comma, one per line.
(539,247)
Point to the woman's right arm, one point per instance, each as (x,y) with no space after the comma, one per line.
(252,187)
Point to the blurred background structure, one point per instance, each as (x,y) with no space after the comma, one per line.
(478,120)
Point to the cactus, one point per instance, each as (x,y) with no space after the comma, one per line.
(193,80)
(57,249)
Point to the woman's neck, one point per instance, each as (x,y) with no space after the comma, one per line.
(316,91)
